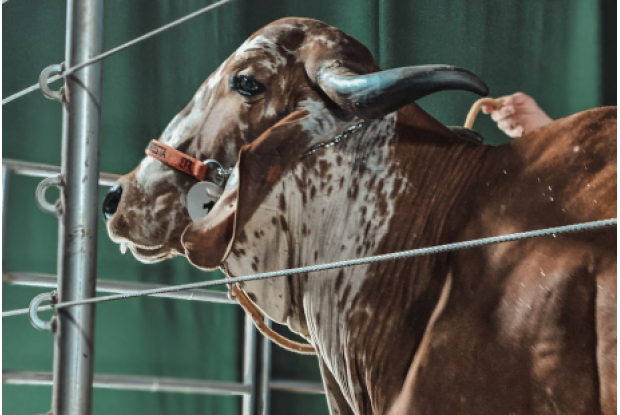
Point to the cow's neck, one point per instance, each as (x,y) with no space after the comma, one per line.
(386,189)
(344,203)
(357,316)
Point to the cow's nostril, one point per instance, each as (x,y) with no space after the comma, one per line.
(110,203)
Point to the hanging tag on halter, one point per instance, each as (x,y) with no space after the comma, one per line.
(201,198)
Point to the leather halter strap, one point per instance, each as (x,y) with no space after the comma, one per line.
(177,160)
(194,167)
(259,320)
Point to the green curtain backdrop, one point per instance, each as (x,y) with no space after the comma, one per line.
(563,53)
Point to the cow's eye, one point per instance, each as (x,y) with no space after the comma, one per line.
(246,85)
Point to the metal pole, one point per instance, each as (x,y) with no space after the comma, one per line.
(157,384)
(135,383)
(6,177)
(249,366)
(265,374)
(28,168)
(74,340)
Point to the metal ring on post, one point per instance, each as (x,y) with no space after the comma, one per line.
(46,206)
(46,74)
(34,308)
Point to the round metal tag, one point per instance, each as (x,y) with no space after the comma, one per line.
(201,198)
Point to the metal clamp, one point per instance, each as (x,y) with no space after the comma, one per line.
(34,308)
(221,172)
(44,78)
(54,208)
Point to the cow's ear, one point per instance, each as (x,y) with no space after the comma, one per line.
(209,240)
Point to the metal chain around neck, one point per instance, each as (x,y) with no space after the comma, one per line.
(335,140)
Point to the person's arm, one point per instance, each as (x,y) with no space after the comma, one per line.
(519,114)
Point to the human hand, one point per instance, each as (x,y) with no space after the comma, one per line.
(518,115)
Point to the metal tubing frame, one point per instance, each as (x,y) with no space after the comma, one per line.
(43,280)
(248,406)
(120,287)
(168,384)
(27,168)
(135,383)
(163,384)
(81,130)
(74,339)
(265,373)
(6,179)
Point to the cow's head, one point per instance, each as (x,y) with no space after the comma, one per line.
(294,84)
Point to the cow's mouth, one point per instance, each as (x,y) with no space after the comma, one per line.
(144,253)
(150,254)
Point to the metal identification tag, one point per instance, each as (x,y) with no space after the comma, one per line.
(201,198)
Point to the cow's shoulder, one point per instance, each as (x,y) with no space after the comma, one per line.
(524,331)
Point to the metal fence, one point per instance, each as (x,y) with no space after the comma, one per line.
(255,400)
(77,210)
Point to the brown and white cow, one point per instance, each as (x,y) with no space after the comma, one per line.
(517,328)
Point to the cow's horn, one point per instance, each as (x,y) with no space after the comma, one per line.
(377,94)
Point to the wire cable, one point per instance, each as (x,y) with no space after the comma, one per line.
(117,49)
(588,226)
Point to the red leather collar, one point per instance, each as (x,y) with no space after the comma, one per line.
(177,160)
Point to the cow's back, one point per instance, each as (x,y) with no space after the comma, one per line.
(573,163)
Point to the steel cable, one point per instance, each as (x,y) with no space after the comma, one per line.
(117,49)
(607,223)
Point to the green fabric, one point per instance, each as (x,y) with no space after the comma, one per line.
(558,52)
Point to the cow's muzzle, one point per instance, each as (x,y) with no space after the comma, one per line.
(111,201)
